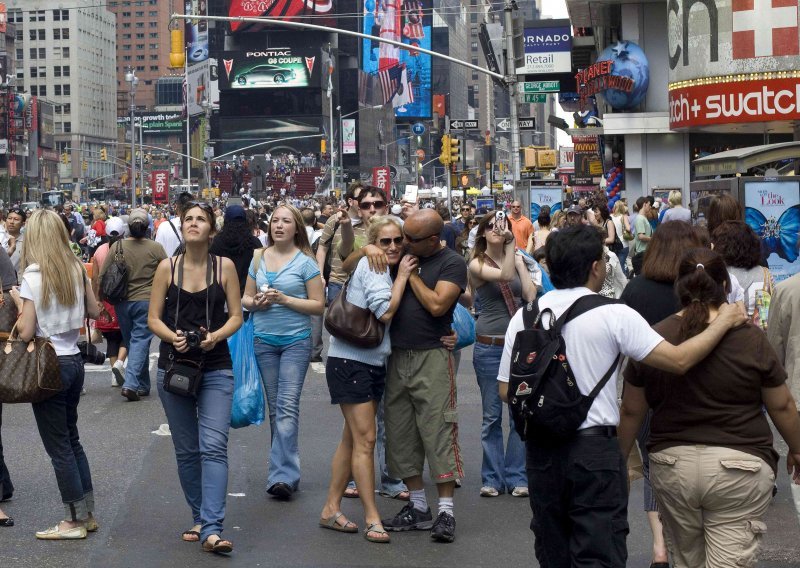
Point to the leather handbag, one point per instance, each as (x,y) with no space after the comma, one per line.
(352,324)
(8,312)
(28,370)
(114,282)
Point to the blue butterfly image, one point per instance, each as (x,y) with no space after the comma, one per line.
(779,236)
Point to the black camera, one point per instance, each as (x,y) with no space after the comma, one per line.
(194,338)
(91,354)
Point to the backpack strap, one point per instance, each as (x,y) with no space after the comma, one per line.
(529,313)
(599,386)
(583,305)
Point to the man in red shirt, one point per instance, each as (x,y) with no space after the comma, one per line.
(521,226)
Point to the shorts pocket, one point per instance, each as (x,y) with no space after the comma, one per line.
(744,465)
(664,475)
(451,416)
(599,480)
(663,459)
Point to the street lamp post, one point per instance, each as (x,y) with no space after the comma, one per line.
(133,80)
(208,108)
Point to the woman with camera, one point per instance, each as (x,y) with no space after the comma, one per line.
(284,289)
(194,308)
(142,256)
(53,299)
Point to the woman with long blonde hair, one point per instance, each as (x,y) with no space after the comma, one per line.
(53,299)
(284,289)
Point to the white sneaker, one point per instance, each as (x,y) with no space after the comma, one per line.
(489,492)
(117,374)
(520,491)
(57,533)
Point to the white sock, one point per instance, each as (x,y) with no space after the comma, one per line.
(419,500)
(446,505)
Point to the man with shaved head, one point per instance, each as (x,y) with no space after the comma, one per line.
(420,397)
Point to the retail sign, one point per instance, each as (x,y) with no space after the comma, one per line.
(381,178)
(159,184)
(744,101)
(349,136)
(270,68)
(539,86)
(547,49)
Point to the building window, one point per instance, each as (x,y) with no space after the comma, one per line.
(32,35)
(140,24)
(42,71)
(153,24)
(153,46)
(474,46)
(67,127)
(139,46)
(56,34)
(34,52)
(19,35)
(65,52)
(56,70)
(64,33)
(65,69)
(140,67)
(126,14)
(57,90)
(66,90)
(20,54)
(126,24)
(56,15)
(153,13)
(140,58)
(65,15)
(43,91)
(140,13)
(126,36)
(139,36)
(154,57)
(154,35)
(126,57)
(67,108)
(154,68)
(34,73)
(40,15)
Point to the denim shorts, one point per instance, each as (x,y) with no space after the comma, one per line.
(354,382)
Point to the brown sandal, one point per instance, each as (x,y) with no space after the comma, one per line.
(219,546)
(192,535)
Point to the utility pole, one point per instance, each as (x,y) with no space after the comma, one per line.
(511,82)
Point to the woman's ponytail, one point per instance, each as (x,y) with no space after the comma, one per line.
(702,282)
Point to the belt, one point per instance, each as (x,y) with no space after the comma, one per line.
(604,431)
(489,340)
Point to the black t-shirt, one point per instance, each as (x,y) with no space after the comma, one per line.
(413,327)
(717,402)
(449,235)
(653,300)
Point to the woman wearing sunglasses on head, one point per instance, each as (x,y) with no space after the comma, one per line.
(194,308)
(356,377)
(502,281)
(283,290)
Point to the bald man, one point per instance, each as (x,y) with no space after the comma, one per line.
(521,226)
(420,398)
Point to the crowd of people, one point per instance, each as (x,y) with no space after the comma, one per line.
(705,331)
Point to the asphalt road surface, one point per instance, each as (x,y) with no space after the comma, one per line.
(142,512)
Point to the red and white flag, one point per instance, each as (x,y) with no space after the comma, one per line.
(765,28)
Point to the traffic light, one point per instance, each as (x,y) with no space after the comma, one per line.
(455,150)
(323,146)
(64,158)
(444,157)
(103,154)
(85,165)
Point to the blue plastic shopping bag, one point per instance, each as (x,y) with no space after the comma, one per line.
(464,326)
(248,395)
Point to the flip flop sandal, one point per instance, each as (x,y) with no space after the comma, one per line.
(219,547)
(190,536)
(383,539)
(351,493)
(332,523)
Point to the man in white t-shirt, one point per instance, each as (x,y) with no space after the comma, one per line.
(168,234)
(579,489)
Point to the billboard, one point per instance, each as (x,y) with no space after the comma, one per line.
(270,68)
(46,124)
(159,183)
(547,50)
(403,76)
(772,209)
(197,79)
(381,178)
(154,122)
(316,11)
(349,136)
(196,31)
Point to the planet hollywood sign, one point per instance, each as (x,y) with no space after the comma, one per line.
(597,78)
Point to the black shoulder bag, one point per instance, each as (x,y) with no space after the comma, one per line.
(183,376)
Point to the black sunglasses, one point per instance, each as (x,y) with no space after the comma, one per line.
(201,204)
(367,204)
(388,241)
(419,239)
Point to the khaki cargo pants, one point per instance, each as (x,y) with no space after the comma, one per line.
(712,501)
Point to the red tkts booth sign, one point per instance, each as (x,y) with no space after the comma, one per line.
(381,178)
(159,183)
(734,102)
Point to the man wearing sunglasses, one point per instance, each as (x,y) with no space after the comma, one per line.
(521,226)
(420,398)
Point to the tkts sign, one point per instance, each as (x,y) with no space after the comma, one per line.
(159,183)
(381,178)
(746,101)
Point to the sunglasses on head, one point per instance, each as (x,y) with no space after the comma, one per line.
(365,205)
(385,242)
(201,204)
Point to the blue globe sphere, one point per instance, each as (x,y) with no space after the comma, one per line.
(629,61)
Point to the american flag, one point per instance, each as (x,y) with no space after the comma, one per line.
(405,94)
(413,15)
(390,79)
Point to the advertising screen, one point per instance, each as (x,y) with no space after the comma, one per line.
(772,209)
(270,68)
(403,76)
(46,124)
(314,11)
(155,121)
(545,194)
(196,31)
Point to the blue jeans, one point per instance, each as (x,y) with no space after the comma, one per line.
(283,370)
(57,420)
(200,435)
(622,255)
(503,470)
(136,335)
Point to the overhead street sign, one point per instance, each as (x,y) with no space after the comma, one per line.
(539,86)
(534,98)
(464,124)
(504,124)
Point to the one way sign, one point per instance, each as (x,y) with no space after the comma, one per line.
(464,124)
(504,124)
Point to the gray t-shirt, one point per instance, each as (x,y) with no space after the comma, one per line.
(494,318)
(678,214)
(7,272)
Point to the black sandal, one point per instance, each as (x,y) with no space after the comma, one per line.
(219,547)
(191,535)
(7,522)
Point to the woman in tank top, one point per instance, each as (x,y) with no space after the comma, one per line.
(188,313)
(501,279)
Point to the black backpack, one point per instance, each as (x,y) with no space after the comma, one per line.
(114,283)
(545,402)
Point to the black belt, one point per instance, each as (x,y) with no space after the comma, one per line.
(605,431)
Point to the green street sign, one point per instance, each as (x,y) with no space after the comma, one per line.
(539,86)
(534,98)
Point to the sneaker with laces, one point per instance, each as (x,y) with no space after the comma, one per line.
(444,529)
(409,519)
(117,374)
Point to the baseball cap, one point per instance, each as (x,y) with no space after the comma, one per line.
(233,212)
(575,209)
(115,225)
(137,216)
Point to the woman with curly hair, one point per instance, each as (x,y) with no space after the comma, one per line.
(236,241)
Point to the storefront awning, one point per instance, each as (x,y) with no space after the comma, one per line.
(742,160)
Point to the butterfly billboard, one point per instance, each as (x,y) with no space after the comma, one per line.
(772,209)
(270,68)
(403,76)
